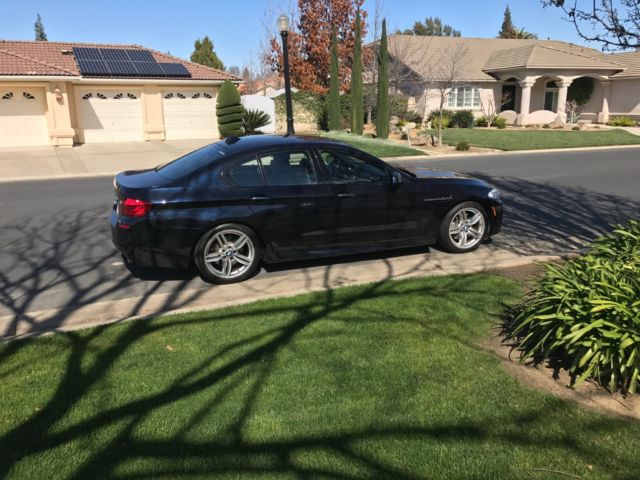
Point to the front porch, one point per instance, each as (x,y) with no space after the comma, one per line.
(542,99)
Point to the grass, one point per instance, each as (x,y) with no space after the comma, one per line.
(374,146)
(538,139)
(386,380)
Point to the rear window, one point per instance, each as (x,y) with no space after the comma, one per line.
(190,162)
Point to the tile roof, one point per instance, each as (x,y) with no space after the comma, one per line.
(425,55)
(631,60)
(28,58)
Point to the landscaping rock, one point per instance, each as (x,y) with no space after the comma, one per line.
(557,122)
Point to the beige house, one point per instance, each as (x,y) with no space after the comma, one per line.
(54,93)
(527,80)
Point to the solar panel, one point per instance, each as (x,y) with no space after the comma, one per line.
(93,67)
(175,69)
(121,68)
(148,69)
(140,56)
(114,54)
(84,53)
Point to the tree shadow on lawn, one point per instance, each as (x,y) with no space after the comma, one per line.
(235,375)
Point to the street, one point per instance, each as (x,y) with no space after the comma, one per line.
(56,251)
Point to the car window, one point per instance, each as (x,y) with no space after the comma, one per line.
(344,167)
(190,162)
(245,173)
(288,168)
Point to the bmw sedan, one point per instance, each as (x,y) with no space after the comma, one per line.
(234,204)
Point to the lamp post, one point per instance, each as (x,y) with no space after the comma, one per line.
(283,26)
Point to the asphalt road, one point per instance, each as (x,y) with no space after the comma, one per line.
(56,252)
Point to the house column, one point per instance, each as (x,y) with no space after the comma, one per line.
(561,108)
(525,100)
(59,115)
(603,116)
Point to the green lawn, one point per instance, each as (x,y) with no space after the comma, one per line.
(387,380)
(374,146)
(537,139)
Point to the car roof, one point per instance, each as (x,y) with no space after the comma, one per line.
(256,142)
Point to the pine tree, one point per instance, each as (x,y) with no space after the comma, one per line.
(204,54)
(229,110)
(333,109)
(357,102)
(382,111)
(38,28)
(508,30)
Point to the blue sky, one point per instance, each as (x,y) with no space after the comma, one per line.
(236,26)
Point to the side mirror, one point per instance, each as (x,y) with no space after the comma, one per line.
(396,178)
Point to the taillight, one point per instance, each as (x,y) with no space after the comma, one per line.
(132,207)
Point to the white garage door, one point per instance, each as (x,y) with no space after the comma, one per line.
(110,116)
(189,114)
(22,118)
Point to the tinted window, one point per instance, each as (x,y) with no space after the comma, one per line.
(288,168)
(245,173)
(190,162)
(346,168)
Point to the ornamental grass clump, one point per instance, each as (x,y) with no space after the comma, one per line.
(585,314)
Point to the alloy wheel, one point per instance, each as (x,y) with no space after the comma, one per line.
(229,253)
(467,228)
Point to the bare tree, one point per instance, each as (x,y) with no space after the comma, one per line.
(489,110)
(370,65)
(445,73)
(615,24)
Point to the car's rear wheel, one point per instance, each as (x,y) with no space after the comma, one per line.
(227,254)
(463,228)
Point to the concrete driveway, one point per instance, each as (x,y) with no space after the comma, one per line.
(85,160)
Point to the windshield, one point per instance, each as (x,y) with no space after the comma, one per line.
(190,162)
(409,172)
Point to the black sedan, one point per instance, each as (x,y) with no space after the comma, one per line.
(231,205)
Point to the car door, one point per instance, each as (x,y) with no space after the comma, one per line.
(293,211)
(370,208)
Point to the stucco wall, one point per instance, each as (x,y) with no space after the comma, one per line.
(488,91)
(625,97)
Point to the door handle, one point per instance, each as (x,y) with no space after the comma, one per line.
(260,198)
(346,195)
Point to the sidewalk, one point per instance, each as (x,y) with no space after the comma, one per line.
(30,163)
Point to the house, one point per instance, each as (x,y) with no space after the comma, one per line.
(526,80)
(58,93)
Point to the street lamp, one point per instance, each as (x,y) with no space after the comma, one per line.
(283,26)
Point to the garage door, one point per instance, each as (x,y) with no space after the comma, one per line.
(190,114)
(22,118)
(110,116)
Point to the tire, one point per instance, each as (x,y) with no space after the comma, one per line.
(455,229)
(229,253)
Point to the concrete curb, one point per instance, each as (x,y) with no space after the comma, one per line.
(428,156)
(263,288)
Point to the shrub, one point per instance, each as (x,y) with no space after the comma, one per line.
(434,118)
(500,123)
(462,146)
(462,119)
(585,314)
(546,125)
(624,121)
(229,110)
(253,120)
(412,117)
(481,122)
(313,103)
(576,128)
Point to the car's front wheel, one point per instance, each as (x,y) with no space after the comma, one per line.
(463,228)
(227,254)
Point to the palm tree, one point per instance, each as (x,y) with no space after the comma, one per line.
(524,35)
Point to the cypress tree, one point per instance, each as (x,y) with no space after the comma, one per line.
(382,108)
(357,105)
(333,109)
(507,30)
(38,28)
(204,54)
(229,110)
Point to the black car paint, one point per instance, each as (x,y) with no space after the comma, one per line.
(292,222)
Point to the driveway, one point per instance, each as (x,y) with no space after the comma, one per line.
(58,268)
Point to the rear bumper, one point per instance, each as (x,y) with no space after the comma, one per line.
(142,247)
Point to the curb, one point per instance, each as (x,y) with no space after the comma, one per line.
(265,288)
